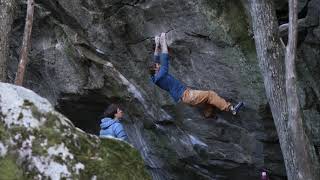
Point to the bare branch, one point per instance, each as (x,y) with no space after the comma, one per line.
(283,28)
(25,43)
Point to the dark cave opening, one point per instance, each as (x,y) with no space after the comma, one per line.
(85,111)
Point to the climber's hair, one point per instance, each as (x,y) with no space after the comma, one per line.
(111,111)
(152,68)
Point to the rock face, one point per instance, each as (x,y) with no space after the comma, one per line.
(88,54)
(36,142)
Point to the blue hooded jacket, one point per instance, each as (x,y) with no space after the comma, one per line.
(166,81)
(111,127)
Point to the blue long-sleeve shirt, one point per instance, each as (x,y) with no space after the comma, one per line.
(112,127)
(166,81)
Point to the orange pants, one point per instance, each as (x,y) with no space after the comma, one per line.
(197,97)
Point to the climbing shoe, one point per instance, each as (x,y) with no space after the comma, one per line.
(235,109)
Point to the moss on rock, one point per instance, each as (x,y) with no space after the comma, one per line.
(9,169)
(117,161)
(3,133)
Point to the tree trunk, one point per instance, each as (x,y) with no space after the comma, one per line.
(6,19)
(25,44)
(304,150)
(271,56)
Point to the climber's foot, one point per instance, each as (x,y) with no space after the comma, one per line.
(234,109)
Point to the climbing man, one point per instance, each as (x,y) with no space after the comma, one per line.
(110,124)
(160,76)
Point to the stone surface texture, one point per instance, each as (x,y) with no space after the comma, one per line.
(88,54)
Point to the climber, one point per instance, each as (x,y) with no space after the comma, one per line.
(110,124)
(179,92)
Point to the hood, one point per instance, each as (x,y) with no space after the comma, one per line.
(106,122)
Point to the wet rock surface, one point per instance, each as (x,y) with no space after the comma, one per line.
(86,55)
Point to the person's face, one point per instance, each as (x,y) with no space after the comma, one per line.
(157,68)
(119,114)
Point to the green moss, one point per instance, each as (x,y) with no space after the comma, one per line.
(51,120)
(52,135)
(35,112)
(30,174)
(59,159)
(82,141)
(9,169)
(37,149)
(27,103)
(50,130)
(15,129)
(119,162)
(3,133)
(20,116)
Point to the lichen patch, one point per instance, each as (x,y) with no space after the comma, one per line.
(60,150)
(3,149)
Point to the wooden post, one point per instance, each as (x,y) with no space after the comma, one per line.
(25,44)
